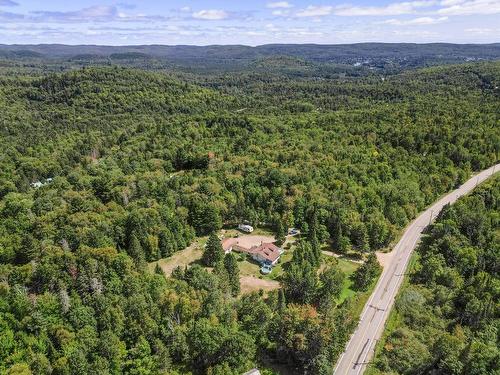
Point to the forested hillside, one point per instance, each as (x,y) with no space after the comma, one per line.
(446,318)
(382,57)
(103,169)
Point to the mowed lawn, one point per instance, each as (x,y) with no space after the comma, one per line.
(250,277)
(348,268)
(249,267)
(182,258)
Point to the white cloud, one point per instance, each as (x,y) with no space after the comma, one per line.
(465,8)
(255,33)
(394,9)
(185,9)
(315,11)
(416,21)
(451,2)
(272,28)
(478,30)
(210,14)
(423,35)
(281,12)
(279,4)
(483,31)
(93,13)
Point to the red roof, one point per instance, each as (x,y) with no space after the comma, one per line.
(268,251)
(227,243)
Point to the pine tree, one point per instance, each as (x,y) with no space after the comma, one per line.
(280,232)
(135,249)
(158,269)
(281,301)
(315,250)
(214,253)
(233,272)
(313,224)
(298,254)
(150,249)
(223,277)
(165,245)
(178,273)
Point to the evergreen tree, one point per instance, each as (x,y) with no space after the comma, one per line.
(214,253)
(178,273)
(315,251)
(231,266)
(314,238)
(281,232)
(158,269)
(281,301)
(299,214)
(164,244)
(340,242)
(135,249)
(313,224)
(150,248)
(223,277)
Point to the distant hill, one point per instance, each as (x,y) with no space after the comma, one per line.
(317,52)
(228,57)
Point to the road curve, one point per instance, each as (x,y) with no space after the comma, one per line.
(360,348)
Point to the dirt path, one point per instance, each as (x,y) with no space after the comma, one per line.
(249,240)
(384,258)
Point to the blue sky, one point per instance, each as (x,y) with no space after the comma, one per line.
(203,22)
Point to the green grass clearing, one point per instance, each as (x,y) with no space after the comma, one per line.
(348,268)
(182,258)
(249,267)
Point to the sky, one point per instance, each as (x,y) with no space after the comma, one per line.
(249,22)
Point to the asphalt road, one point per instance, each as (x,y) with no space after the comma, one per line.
(360,348)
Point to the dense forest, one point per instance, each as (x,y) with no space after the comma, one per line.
(320,59)
(104,169)
(446,317)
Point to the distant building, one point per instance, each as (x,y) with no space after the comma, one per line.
(245,228)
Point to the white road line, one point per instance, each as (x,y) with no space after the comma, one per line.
(402,252)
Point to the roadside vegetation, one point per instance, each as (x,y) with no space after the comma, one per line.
(446,315)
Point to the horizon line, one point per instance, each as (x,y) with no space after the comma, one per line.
(241,45)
